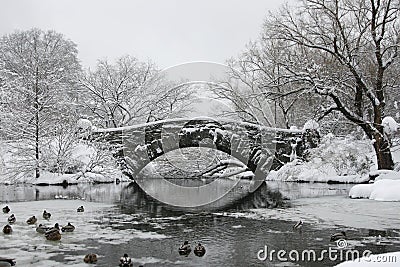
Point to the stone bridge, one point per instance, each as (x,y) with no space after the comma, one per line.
(258,147)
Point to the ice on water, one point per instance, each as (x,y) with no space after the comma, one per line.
(30,248)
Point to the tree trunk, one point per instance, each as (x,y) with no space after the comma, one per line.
(383,154)
(358,101)
(36,105)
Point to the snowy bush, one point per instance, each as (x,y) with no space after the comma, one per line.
(84,125)
(347,156)
(390,126)
(311,125)
(335,159)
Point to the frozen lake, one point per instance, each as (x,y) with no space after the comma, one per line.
(122,219)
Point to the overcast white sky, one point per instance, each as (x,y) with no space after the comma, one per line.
(168,32)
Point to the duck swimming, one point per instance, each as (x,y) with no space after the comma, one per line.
(7,262)
(7,229)
(298,225)
(125,261)
(53,234)
(12,219)
(41,229)
(80,209)
(6,209)
(68,228)
(46,215)
(338,236)
(199,250)
(31,220)
(185,249)
(90,258)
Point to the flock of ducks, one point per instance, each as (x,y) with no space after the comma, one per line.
(50,233)
(53,234)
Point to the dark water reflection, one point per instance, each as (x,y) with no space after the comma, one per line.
(230,240)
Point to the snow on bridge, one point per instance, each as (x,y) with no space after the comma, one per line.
(258,147)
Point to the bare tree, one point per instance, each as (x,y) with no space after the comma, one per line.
(343,50)
(38,68)
(259,69)
(128,92)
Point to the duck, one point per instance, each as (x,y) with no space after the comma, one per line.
(68,228)
(31,220)
(41,229)
(338,236)
(199,250)
(80,209)
(90,258)
(12,219)
(125,261)
(7,229)
(7,262)
(185,249)
(53,233)
(46,215)
(6,209)
(298,225)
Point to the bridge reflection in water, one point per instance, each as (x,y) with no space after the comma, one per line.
(130,194)
(239,197)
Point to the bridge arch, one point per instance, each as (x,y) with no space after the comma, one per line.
(254,145)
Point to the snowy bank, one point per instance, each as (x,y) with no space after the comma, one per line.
(335,160)
(391,259)
(86,163)
(381,190)
(298,171)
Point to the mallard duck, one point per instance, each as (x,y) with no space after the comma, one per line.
(125,261)
(90,258)
(298,225)
(42,229)
(185,249)
(68,228)
(6,209)
(7,262)
(199,250)
(46,215)
(80,209)
(55,227)
(7,229)
(31,220)
(338,236)
(12,219)
(53,233)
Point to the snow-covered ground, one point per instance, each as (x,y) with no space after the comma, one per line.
(386,186)
(92,166)
(381,190)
